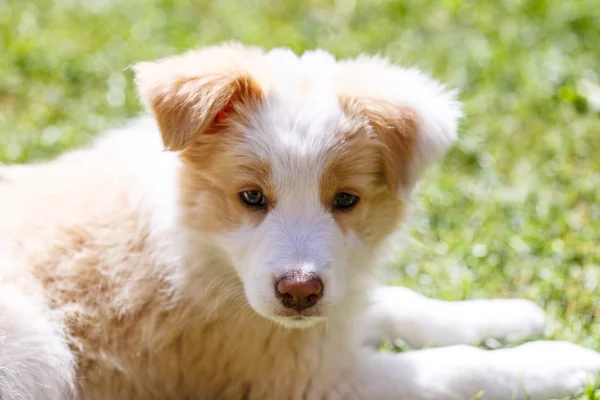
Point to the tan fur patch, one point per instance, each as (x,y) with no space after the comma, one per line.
(185,93)
(397,129)
(355,166)
(191,106)
(218,168)
(217,172)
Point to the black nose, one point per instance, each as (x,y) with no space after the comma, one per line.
(299,290)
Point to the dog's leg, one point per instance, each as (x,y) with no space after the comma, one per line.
(397,312)
(35,361)
(537,371)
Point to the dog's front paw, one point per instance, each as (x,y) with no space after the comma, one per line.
(506,320)
(400,313)
(474,321)
(550,369)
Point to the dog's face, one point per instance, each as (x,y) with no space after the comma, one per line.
(298,167)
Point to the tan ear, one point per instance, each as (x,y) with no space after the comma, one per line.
(397,129)
(186,92)
(412,115)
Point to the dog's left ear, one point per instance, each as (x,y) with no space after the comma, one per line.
(191,94)
(413,116)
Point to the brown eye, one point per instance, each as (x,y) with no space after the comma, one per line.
(253,198)
(345,201)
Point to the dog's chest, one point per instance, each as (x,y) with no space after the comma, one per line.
(220,358)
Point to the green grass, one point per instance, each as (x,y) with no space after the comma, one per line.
(513,209)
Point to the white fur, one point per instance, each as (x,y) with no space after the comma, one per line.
(420,321)
(35,362)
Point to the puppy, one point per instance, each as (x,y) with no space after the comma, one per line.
(240,263)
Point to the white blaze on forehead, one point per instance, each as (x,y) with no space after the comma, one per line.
(299,121)
(293,132)
(295,137)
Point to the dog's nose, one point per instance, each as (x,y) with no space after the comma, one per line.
(299,290)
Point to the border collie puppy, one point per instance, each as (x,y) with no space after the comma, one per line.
(240,263)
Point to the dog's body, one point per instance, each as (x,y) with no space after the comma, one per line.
(128,272)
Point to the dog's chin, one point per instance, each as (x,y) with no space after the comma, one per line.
(297,322)
(290,318)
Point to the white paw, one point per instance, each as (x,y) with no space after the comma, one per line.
(470,322)
(550,369)
(400,313)
(507,320)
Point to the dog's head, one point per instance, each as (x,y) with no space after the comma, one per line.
(300,167)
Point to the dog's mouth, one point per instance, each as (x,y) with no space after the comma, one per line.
(305,318)
(298,321)
(300,315)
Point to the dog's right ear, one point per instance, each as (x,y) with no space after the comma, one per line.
(189,94)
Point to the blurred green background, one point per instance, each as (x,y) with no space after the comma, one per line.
(513,210)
